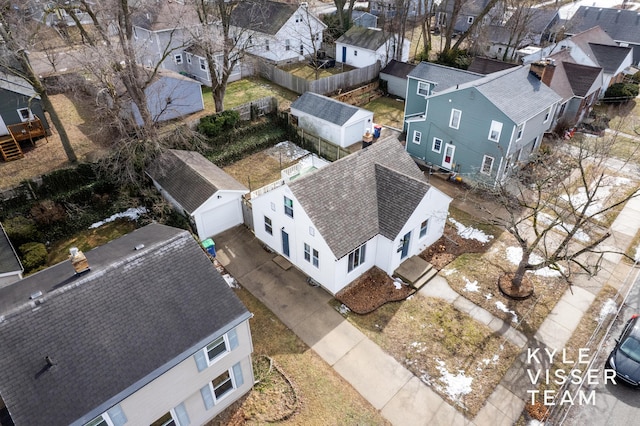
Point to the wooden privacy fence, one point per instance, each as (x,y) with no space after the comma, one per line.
(257,108)
(321,86)
(322,147)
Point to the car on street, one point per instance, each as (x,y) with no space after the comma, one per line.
(625,357)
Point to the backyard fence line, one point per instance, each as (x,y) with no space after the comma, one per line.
(322,147)
(257,108)
(323,85)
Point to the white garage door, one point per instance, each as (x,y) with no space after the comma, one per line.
(220,219)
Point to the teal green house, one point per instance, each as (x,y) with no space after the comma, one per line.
(476,127)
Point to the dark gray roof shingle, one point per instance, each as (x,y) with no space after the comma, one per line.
(373,191)
(325,108)
(620,24)
(9,261)
(190,178)
(581,77)
(609,57)
(444,77)
(486,66)
(262,16)
(364,38)
(397,69)
(110,331)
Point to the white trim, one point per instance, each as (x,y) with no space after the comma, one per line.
(433,145)
(496,127)
(484,159)
(227,393)
(519,133)
(221,355)
(427,88)
(417,137)
(451,123)
(30,115)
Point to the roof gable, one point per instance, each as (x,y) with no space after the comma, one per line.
(106,330)
(356,209)
(365,38)
(610,58)
(262,16)
(444,77)
(620,24)
(581,77)
(325,108)
(190,178)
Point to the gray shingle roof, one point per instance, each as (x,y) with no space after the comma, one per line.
(506,90)
(537,19)
(364,38)
(373,191)
(9,261)
(444,77)
(110,331)
(263,16)
(486,66)
(397,68)
(623,25)
(581,77)
(325,108)
(609,57)
(190,178)
(17,85)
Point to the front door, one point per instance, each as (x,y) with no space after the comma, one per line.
(3,128)
(447,160)
(344,54)
(285,243)
(405,245)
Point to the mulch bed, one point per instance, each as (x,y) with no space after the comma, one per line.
(375,288)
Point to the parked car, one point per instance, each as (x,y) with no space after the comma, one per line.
(625,357)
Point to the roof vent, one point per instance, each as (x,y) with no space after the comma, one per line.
(49,361)
(78,260)
(35,295)
(139,247)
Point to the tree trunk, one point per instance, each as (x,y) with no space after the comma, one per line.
(522,269)
(218,96)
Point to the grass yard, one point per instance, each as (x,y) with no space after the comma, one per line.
(624,117)
(321,396)
(256,171)
(434,340)
(245,90)
(387,111)
(306,71)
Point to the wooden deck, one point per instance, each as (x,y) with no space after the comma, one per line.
(28,131)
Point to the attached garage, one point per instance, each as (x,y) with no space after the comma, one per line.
(211,198)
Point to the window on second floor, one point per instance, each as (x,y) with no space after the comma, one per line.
(216,348)
(268,226)
(494,132)
(288,206)
(423,88)
(188,58)
(25,114)
(437,145)
(470,20)
(307,252)
(547,115)
(287,44)
(487,165)
(166,420)
(519,131)
(266,45)
(177,58)
(355,53)
(203,64)
(424,226)
(417,136)
(454,120)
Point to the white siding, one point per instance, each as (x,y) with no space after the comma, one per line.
(220,212)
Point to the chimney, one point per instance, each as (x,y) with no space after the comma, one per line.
(78,260)
(367,139)
(544,70)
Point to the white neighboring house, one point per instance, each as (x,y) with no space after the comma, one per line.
(10,267)
(201,190)
(335,121)
(361,47)
(371,208)
(277,32)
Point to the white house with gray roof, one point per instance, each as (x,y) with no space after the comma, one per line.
(335,121)
(199,189)
(370,208)
(361,47)
(481,129)
(151,333)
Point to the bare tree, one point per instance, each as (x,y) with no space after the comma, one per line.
(15,61)
(558,209)
(454,8)
(344,18)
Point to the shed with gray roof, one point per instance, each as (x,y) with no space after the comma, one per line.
(335,121)
(205,193)
(119,342)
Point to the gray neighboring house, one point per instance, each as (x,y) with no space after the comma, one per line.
(364,19)
(395,75)
(361,47)
(481,130)
(151,333)
(196,187)
(622,25)
(335,121)
(10,267)
(486,66)
(427,79)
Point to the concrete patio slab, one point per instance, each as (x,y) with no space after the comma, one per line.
(373,373)
(412,269)
(438,287)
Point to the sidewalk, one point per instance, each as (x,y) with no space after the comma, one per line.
(401,397)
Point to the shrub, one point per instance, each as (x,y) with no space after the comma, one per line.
(213,125)
(47,212)
(621,92)
(636,77)
(21,230)
(33,256)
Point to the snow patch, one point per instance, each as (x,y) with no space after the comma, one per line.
(397,282)
(608,308)
(488,296)
(471,286)
(456,385)
(231,282)
(132,214)
(344,309)
(501,306)
(448,272)
(514,255)
(470,233)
